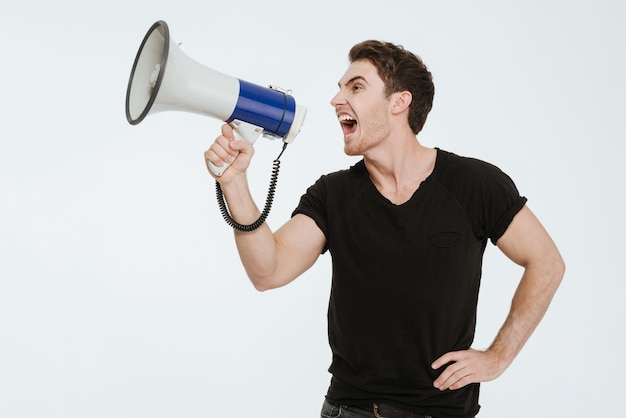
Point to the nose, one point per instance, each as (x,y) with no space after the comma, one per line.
(337,100)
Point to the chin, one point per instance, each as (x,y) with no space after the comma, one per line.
(353,146)
(351,152)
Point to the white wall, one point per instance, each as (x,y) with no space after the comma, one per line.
(121,293)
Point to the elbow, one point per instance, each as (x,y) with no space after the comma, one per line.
(549,271)
(560,269)
(269,278)
(261,287)
(556,271)
(558,265)
(261,280)
(263,284)
(562,266)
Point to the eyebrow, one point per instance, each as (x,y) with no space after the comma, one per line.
(353,80)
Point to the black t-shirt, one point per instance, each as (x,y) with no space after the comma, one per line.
(405,278)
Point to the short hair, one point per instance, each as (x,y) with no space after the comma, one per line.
(400,70)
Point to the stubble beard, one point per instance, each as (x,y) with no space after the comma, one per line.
(370,134)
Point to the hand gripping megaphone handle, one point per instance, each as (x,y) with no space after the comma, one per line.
(242,130)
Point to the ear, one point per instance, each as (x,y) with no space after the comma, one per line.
(401,101)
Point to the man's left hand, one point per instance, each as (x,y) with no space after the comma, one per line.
(466,367)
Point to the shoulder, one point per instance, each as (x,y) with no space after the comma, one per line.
(354,171)
(342,178)
(453,164)
(488,195)
(332,186)
(467,174)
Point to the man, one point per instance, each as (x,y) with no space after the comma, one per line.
(406,227)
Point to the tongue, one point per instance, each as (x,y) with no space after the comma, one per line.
(348,127)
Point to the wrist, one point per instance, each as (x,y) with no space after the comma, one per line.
(501,355)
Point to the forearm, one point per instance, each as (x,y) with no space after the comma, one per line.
(257,249)
(527,244)
(529,305)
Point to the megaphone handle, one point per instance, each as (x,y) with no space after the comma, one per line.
(241,130)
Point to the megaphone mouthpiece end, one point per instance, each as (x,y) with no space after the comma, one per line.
(298,121)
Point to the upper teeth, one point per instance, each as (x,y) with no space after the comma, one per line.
(345,117)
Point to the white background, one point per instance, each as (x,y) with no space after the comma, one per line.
(121,292)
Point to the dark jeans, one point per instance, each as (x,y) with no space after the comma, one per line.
(337,411)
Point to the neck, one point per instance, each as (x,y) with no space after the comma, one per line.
(398,170)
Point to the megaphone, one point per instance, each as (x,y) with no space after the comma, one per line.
(164,78)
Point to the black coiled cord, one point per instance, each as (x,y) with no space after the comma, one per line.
(268,201)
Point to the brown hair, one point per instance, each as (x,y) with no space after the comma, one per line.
(400,70)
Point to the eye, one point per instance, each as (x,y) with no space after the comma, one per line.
(357,87)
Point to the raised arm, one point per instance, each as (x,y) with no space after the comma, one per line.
(271,259)
(528,244)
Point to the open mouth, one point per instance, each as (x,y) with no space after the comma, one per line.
(348,124)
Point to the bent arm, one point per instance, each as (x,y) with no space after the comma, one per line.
(528,244)
(275,259)
(271,259)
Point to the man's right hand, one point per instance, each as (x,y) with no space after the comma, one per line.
(226,149)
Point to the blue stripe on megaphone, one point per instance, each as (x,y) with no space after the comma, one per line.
(270,109)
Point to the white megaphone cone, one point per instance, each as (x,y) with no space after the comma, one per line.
(164,78)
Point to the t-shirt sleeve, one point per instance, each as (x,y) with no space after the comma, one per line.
(515,204)
(487,194)
(500,201)
(313,205)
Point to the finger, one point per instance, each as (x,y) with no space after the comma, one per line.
(455,377)
(446,378)
(445,359)
(227,131)
(243,155)
(211,157)
(461,378)
(222,150)
(464,381)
